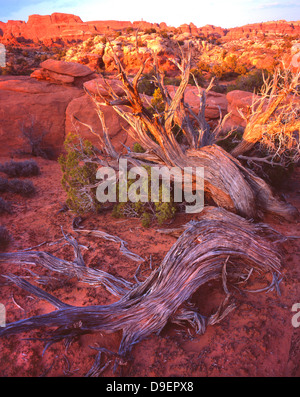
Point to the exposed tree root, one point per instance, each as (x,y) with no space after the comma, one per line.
(220,246)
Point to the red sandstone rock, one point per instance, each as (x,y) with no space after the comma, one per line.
(259,29)
(101,86)
(24,99)
(239,101)
(84,109)
(68,27)
(67,68)
(26,85)
(215,102)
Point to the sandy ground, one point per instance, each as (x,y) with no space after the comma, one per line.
(256,339)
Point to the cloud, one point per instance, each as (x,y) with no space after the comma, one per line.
(278,5)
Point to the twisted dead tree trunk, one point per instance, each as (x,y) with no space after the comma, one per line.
(221,246)
(229,184)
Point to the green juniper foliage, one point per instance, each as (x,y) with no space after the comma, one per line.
(78,175)
(80,183)
(147,211)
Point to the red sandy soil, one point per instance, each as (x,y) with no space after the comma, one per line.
(256,339)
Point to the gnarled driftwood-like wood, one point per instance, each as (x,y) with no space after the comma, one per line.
(221,245)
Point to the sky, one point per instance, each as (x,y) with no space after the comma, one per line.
(224,13)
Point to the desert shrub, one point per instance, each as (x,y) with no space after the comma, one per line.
(79,176)
(287,42)
(231,67)
(43,57)
(231,62)
(197,75)
(164,34)
(230,141)
(21,61)
(157,101)
(61,53)
(80,183)
(34,135)
(20,168)
(203,66)
(241,69)
(23,187)
(218,71)
(18,186)
(219,88)
(117,34)
(3,184)
(137,148)
(172,81)
(252,81)
(150,31)
(8,70)
(5,206)
(146,211)
(5,238)
(147,85)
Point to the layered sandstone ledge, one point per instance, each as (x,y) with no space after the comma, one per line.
(67,28)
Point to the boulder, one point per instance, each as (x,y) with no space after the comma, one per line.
(62,72)
(69,68)
(44,74)
(34,108)
(98,86)
(83,108)
(239,101)
(216,103)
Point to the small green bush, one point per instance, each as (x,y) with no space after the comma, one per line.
(137,148)
(172,81)
(147,85)
(196,74)
(203,66)
(252,81)
(218,71)
(80,183)
(146,211)
(79,175)
(157,101)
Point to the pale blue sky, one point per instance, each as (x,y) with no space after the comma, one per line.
(224,13)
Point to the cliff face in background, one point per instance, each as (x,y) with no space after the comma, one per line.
(67,28)
(268,28)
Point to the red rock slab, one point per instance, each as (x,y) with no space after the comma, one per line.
(100,86)
(42,74)
(68,68)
